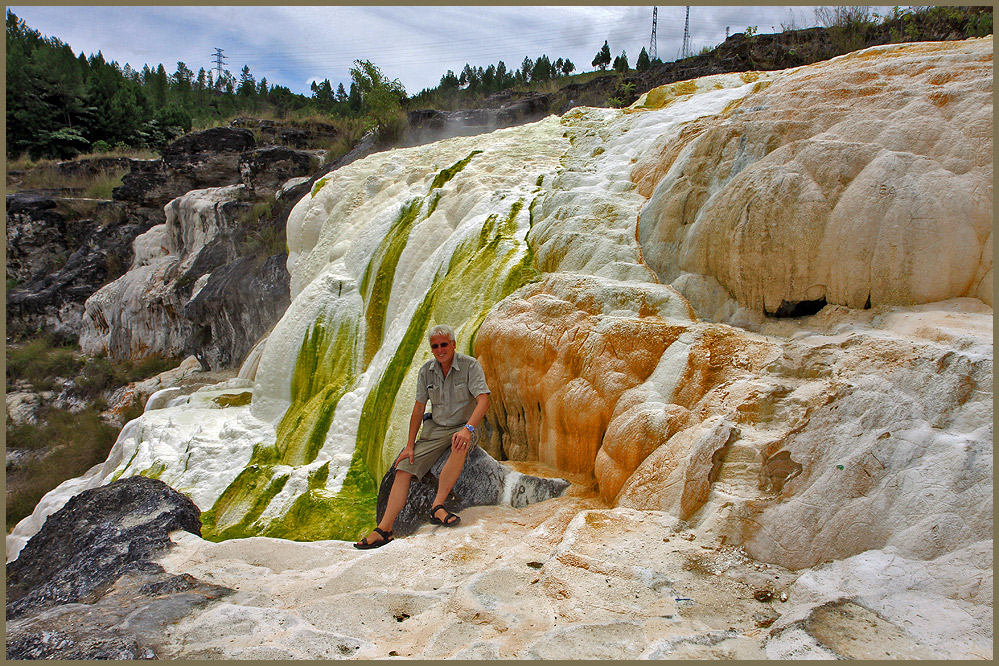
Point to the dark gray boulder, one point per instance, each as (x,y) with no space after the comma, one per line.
(269,168)
(86,545)
(310,134)
(238,305)
(36,235)
(85,586)
(129,622)
(91,167)
(209,158)
(148,185)
(484,481)
(195,146)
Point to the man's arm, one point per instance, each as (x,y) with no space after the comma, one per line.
(461,439)
(415,421)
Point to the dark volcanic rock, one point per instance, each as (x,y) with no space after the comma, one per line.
(87,545)
(126,623)
(36,235)
(60,262)
(300,135)
(55,644)
(271,167)
(240,302)
(147,185)
(84,587)
(201,159)
(214,141)
(90,168)
(483,481)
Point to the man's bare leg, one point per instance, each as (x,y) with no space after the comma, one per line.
(449,476)
(396,501)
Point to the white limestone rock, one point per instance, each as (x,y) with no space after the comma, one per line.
(141,312)
(877,190)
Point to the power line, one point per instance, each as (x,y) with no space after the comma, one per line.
(537,42)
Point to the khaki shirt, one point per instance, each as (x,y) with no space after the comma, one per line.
(453,397)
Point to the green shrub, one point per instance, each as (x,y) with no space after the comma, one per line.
(41,360)
(100,374)
(95,186)
(350,132)
(75,443)
(104,183)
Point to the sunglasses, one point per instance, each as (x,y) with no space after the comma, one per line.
(442,345)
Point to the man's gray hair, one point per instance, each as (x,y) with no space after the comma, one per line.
(441,329)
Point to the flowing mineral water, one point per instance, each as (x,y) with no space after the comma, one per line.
(379,251)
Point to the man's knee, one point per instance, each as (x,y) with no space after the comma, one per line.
(402,476)
(458,456)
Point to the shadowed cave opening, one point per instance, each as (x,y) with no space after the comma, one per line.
(788,309)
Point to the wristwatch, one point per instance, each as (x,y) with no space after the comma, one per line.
(470,428)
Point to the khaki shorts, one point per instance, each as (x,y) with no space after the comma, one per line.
(433,441)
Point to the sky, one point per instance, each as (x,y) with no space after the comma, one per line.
(293,45)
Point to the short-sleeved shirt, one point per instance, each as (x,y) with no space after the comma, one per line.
(453,397)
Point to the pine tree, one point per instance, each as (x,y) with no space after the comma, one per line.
(158,84)
(643,63)
(182,83)
(542,69)
(46,112)
(603,57)
(247,83)
(621,63)
(502,76)
(525,69)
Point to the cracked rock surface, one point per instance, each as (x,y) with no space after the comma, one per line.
(85,586)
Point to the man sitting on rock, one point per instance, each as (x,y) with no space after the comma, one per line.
(456,386)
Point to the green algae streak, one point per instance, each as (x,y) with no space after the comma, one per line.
(318,186)
(376,291)
(482,271)
(447,174)
(485,268)
(324,372)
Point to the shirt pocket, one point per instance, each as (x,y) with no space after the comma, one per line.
(436,395)
(459,392)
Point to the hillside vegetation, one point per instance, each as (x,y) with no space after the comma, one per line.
(60,105)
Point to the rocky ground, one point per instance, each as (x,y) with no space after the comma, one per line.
(568,578)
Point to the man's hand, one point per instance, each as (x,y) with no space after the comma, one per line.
(461,439)
(407,452)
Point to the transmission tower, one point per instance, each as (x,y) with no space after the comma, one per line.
(652,47)
(219,61)
(685,49)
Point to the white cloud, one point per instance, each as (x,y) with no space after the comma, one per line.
(293,44)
